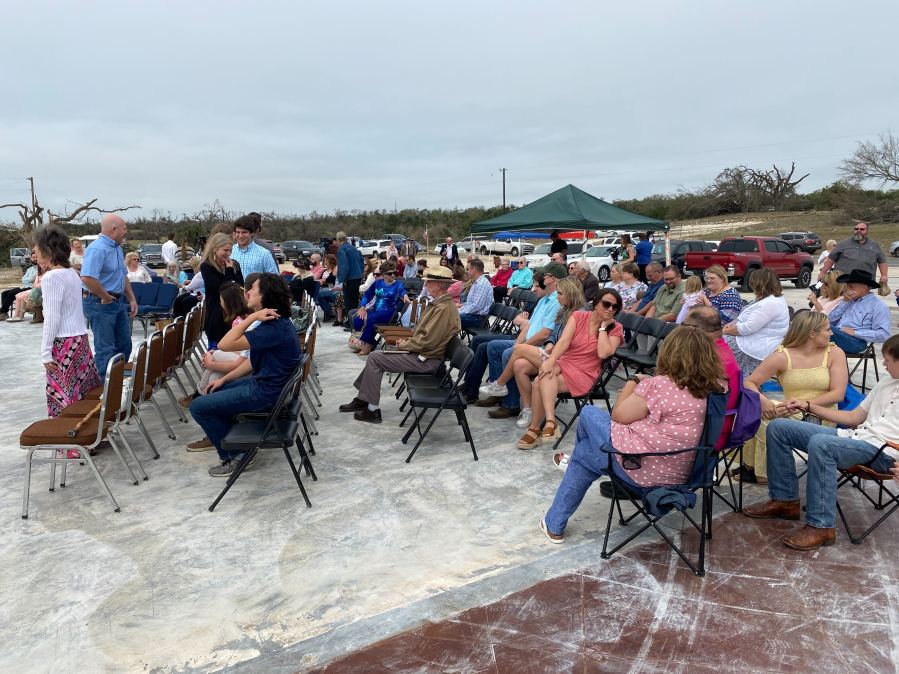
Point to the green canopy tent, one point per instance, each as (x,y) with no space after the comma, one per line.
(569,209)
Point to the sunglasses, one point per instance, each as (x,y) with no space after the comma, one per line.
(861,229)
(609,305)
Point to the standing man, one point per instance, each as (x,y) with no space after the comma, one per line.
(170,250)
(252,258)
(480,297)
(107,300)
(559,245)
(644,255)
(407,250)
(450,252)
(857,252)
(423,352)
(350,266)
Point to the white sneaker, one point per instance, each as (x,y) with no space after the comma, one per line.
(493,390)
(524,419)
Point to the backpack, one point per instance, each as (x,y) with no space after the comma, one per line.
(747,416)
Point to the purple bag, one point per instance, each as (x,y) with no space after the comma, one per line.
(747,416)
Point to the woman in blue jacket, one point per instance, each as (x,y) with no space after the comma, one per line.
(379,303)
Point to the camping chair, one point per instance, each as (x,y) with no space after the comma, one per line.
(56,437)
(598,390)
(701,479)
(279,429)
(858,476)
(445,397)
(868,354)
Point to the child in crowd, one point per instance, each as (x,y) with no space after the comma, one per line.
(692,290)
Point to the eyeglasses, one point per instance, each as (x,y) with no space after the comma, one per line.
(609,305)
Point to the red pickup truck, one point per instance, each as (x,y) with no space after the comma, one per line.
(742,255)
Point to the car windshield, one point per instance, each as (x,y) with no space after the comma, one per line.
(542,249)
(152,248)
(600,251)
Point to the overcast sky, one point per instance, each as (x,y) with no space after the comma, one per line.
(299,106)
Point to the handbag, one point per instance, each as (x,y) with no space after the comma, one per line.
(747,416)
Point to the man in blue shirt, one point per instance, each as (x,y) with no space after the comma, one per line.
(350,267)
(108,301)
(863,319)
(654,280)
(480,296)
(644,255)
(274,356)
(252,258)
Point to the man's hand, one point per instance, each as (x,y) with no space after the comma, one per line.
(263,315)
(402,343)
(848,331)
(132,308)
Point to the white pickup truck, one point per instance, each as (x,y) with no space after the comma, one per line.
(505,246)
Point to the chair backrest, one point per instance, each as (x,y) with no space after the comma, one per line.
(704,463)
(148,293)
(289,393)
(652,327)
(138,383)
(112,389)
(156,280)
(514,297)
(630,322)
(458,355)
(529,299)
(171,344)
(140,292)
(154,359)
(668,329)
(166,296)
(413,285)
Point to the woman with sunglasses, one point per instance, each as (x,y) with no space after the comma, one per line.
(379,304)
(588,339)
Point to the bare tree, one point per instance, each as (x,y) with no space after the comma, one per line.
(874,161)
(776,184)
(32,215)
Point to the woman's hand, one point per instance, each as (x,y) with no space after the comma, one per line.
(51,366)
(362,313)
(794,405)
(263,315)
(769,409)
(546,368)
(216,385)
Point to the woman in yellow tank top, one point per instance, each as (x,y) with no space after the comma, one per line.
(808,367)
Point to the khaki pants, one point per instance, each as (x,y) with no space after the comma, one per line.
(378,362)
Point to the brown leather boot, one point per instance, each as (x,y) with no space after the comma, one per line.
(38,315)
(783,510)
(811,538)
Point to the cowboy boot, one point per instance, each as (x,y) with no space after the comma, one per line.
(38,315)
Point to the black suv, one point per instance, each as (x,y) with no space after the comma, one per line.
(294,250)
(679,250)
(808,242)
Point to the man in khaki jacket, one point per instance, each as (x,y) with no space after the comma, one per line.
(422,353)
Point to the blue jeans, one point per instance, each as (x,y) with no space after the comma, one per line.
(368,326)
(498,354)
(475,371)
(849,343)
(826,451)
(585,465)
(326,300)
(215,412)
(471,320)
(111,326)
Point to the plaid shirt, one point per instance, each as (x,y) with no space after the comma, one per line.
(254,258)
(480,298)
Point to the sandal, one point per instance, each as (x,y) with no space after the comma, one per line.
(550,432)
(560,459)
(530,439)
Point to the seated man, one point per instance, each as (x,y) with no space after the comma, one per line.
(861,318)
(666,304)
(477,304)
(654,284)
(423,352)
(274,356)
(589,282)
(872,423)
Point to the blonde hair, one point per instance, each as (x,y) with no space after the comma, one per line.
(831,290)
(802,326)
(693,284)
(689,358)
(718,270)
(574,298)
(131,256)
(216,241)
(195,262)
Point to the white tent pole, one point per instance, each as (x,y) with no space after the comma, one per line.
(667,247)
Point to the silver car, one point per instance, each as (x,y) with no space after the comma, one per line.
(894,249)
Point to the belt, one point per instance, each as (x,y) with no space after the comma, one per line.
(86,294)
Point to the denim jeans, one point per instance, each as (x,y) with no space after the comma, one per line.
(215,412)
(475,371)
(826,451)
(585,465)
(471,320)
(849,343)
(111,326)
(326,299)
(498,354)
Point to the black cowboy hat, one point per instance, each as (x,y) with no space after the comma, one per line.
(858,276)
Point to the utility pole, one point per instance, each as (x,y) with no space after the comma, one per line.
(504,187)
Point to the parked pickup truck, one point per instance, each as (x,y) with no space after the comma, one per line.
(505,245)
(742,255)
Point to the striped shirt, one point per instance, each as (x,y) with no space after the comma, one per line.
(480,298)
(254,259)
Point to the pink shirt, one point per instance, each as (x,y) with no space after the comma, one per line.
(732,372)
(675,421)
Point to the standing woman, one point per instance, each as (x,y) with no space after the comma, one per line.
(76,257)
(217,268)
(65,350)
(628,252)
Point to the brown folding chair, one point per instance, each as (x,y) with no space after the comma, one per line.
(861,475)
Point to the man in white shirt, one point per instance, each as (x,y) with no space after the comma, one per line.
(874,422)
(169,250)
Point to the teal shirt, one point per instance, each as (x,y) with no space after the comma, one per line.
(544,315)
(522,278)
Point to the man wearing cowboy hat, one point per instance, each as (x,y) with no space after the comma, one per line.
(422,352)
(863,318)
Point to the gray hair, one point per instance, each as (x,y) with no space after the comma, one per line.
(341,236)
(654,266)
(583,265)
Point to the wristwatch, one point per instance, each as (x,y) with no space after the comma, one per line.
(602,328)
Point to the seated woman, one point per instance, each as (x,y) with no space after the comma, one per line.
(458,284)
(761,325)
(274,356)
(500,280)
(379,304)
(720,295)
(831,294)
(136,271)
(303,282)
(652,414)
(630,288)
(171,274)
(330,295)
(614,278)
(28,296)
(589,338)
(526,359)
(808,367)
